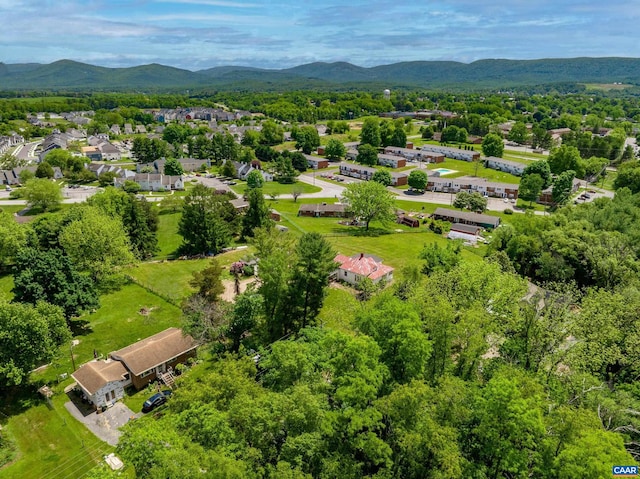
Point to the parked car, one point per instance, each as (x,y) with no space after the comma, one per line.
(156,400)
(8,188)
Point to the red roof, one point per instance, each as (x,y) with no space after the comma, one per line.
(363,266)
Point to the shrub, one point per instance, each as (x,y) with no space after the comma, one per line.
(508,211)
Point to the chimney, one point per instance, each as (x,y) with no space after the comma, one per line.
(361,255)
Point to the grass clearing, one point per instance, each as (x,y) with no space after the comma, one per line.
(51,442)
(170,279)
(273,187)
(472,168)
(168,238)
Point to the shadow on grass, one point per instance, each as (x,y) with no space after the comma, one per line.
(359,231)
(80,327)
(17,399)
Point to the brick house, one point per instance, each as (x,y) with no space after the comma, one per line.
(103,381)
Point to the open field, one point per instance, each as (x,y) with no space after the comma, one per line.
(171,278)
(271,187)
(472,168)
(52,444)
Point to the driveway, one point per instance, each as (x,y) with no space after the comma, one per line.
(106,425)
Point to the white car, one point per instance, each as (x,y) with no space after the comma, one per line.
(506,200)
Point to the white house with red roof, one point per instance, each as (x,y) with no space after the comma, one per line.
(354,269)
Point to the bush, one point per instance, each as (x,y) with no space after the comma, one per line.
(16,194)
(508,211)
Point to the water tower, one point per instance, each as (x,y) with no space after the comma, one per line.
(387,94)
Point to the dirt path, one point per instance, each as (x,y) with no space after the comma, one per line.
(229,288)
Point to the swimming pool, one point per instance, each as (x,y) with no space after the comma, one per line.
(444,171)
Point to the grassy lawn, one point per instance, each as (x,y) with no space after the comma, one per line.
(339,309)
(396,245)
(168,238)
(470,168)
(52,444)
(273,187)
(523,156)
(524,205)
(117,323)
(171,278)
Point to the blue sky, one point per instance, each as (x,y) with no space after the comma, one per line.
(196,34)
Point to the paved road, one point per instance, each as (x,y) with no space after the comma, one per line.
(26,150)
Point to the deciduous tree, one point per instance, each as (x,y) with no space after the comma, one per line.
(492,145)
(418,180)
(50,276)
(29,336)
(172,167)
(368,201)
(42,194)
(334,150)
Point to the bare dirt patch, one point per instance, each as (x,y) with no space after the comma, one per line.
(229,288)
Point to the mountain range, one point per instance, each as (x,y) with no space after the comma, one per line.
(493,73)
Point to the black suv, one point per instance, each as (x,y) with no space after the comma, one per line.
(156,400)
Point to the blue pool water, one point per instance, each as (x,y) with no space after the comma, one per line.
(444,171)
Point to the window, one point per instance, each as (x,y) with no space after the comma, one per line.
(146,373)
(345,273)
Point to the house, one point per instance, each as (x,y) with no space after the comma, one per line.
(158,182)
(316,163)
(468,233)
(353,269)
(153,181)
(50,143)
(414,155)
(128,130)
(351,154)
(366,173)
(474,219)
(109,151)
(188,165)
(455,153)
(241,205)
(103,381)
(99,168)
(92,152)
(12,177)
(146,360)
(391,161)
(323,210)
(141,129)
(115,129)
(472,185)
(546,195)
(508,166)
(243,170)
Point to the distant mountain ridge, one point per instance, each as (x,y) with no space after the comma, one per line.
(490,73)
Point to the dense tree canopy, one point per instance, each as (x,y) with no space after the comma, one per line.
(50,276)
(29,336)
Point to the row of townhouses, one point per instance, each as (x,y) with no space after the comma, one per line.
(472,185)
(8,141)
(366,173)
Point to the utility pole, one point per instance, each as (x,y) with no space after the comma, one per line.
(73,361)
